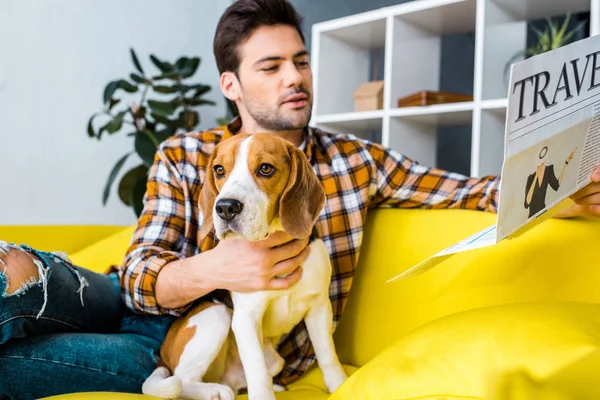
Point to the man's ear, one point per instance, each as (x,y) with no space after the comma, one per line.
(206,202)
(230,86)
(302,199)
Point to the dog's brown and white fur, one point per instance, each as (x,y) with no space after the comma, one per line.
(206,352)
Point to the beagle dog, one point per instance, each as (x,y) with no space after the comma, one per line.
(256,184)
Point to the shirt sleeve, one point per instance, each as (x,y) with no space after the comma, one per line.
(530,182)
(158,238)
(403,183)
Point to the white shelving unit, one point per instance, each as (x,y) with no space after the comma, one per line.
(410,35)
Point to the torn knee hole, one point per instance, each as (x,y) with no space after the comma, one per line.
(19,270)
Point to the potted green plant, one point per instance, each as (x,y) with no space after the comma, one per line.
(150,120)
(552,37)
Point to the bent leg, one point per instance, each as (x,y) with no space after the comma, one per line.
(42,292)
(47,365)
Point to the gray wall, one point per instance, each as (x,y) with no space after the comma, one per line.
(56,56)
(454,143)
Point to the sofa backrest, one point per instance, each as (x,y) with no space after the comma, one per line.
(65,238)
(556,260)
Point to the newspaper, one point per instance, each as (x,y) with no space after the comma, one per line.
(551,146)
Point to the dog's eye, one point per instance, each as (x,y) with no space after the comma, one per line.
(219,171)
(266,170)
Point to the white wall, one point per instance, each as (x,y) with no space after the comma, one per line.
(56,56)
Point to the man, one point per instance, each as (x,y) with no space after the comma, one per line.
(265,70)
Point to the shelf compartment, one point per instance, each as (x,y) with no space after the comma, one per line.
(537,9)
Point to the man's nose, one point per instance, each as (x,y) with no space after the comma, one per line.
(293,77)
(227,209)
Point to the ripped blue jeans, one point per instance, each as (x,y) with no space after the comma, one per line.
(66,330)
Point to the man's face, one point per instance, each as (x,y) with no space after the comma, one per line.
(275,79)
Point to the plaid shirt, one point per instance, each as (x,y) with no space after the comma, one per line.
(357,175)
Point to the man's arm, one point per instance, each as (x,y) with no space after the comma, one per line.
(159,238)
(403,183)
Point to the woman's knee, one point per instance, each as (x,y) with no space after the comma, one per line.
(19,270)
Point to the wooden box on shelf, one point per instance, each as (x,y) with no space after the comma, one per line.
(369,96)
(428,97)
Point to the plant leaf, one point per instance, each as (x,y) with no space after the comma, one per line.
(163,108)
(113,102)
(127,86)
(147,142)
(164,120)
(161,65)
(136,62)
(129,180)
(573,31)
(90,127)
(137,197)
(173,75)
(116,123)
(137,78)
(197,102)
(181,63)
(165,89)
(109,90)
(201,90)
(112,87)
(112,176)
(189,119)
(190,67)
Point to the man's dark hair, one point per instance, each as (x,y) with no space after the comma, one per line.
(241,19)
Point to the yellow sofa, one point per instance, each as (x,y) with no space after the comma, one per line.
(518,320)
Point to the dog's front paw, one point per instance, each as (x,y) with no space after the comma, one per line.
(334,378)
(215,391)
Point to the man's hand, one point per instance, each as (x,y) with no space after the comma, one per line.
(234,264)
(273,263)
(587,200)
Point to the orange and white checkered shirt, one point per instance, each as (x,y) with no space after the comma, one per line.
(357,175)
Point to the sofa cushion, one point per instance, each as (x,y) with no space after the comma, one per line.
(309,387)
(468,354)
(555,261)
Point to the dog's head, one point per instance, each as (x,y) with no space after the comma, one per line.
(256,184)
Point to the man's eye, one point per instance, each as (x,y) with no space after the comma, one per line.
(303,63)
(219,171)
(266,170)
(270,69)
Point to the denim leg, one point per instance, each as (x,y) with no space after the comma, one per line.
(70,333)
(65,298)
(61,363)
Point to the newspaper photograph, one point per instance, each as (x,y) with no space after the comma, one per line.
(551,146)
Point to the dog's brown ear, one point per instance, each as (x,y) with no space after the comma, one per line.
(302,199)
(206,202)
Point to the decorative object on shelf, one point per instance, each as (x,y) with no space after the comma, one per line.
(369,96)
(429,97)
(151,120)
(551,38)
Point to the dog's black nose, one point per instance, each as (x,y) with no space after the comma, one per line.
(227,209)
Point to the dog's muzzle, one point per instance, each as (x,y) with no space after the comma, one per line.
(227,209)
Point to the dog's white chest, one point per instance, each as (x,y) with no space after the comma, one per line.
(286,308)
